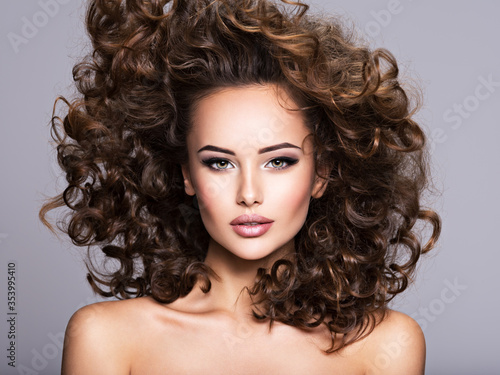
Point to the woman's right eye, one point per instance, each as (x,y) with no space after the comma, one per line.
(217,164)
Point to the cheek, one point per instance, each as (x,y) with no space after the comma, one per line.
(295,199)
(292,198)
(209,187)
(211,195)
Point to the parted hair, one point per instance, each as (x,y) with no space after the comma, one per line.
(122,139)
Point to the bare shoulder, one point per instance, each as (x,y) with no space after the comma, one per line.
(396,346)
(97,335)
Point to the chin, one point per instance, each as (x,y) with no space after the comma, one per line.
(252,255)
(264,249)
(261,252)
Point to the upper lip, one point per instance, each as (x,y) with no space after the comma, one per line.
(247,219)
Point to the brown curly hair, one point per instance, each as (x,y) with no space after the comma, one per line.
(122,141)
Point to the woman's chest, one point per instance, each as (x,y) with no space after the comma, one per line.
(240,352)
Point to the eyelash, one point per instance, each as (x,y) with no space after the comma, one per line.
(209,163)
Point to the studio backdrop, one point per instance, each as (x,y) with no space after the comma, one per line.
(449,48)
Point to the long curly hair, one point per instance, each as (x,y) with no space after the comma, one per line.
(122,140)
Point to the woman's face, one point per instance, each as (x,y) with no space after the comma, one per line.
(248,155)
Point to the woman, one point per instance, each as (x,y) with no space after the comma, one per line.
(255,175)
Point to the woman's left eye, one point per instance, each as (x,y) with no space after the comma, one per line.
(281,163)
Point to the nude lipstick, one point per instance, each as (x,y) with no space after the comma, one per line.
(251,225)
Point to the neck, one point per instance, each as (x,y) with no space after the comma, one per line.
(229,292)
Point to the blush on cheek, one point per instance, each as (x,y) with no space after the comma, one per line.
(296,201)
(211,191)
(209,204)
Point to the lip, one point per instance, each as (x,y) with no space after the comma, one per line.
(244,219)
(241,225)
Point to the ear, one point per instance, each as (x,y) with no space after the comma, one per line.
(188,185)
(320,184)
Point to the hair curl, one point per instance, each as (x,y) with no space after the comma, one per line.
(122,141)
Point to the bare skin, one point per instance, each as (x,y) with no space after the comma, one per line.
(141,336)
(215,333)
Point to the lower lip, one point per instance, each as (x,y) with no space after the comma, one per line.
(251,230)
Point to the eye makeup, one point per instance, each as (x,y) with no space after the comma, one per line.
(220,164)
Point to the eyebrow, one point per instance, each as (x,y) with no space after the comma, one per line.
(261,151)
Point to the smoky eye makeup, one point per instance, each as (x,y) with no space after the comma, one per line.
(282,162)
(277,163)
(217,164)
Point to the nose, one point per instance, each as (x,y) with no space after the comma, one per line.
(249,189)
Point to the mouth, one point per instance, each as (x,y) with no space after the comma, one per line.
(250,220)
(251,225)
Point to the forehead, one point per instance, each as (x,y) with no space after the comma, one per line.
(247,117)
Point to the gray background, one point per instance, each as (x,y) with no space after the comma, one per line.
(451,47)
